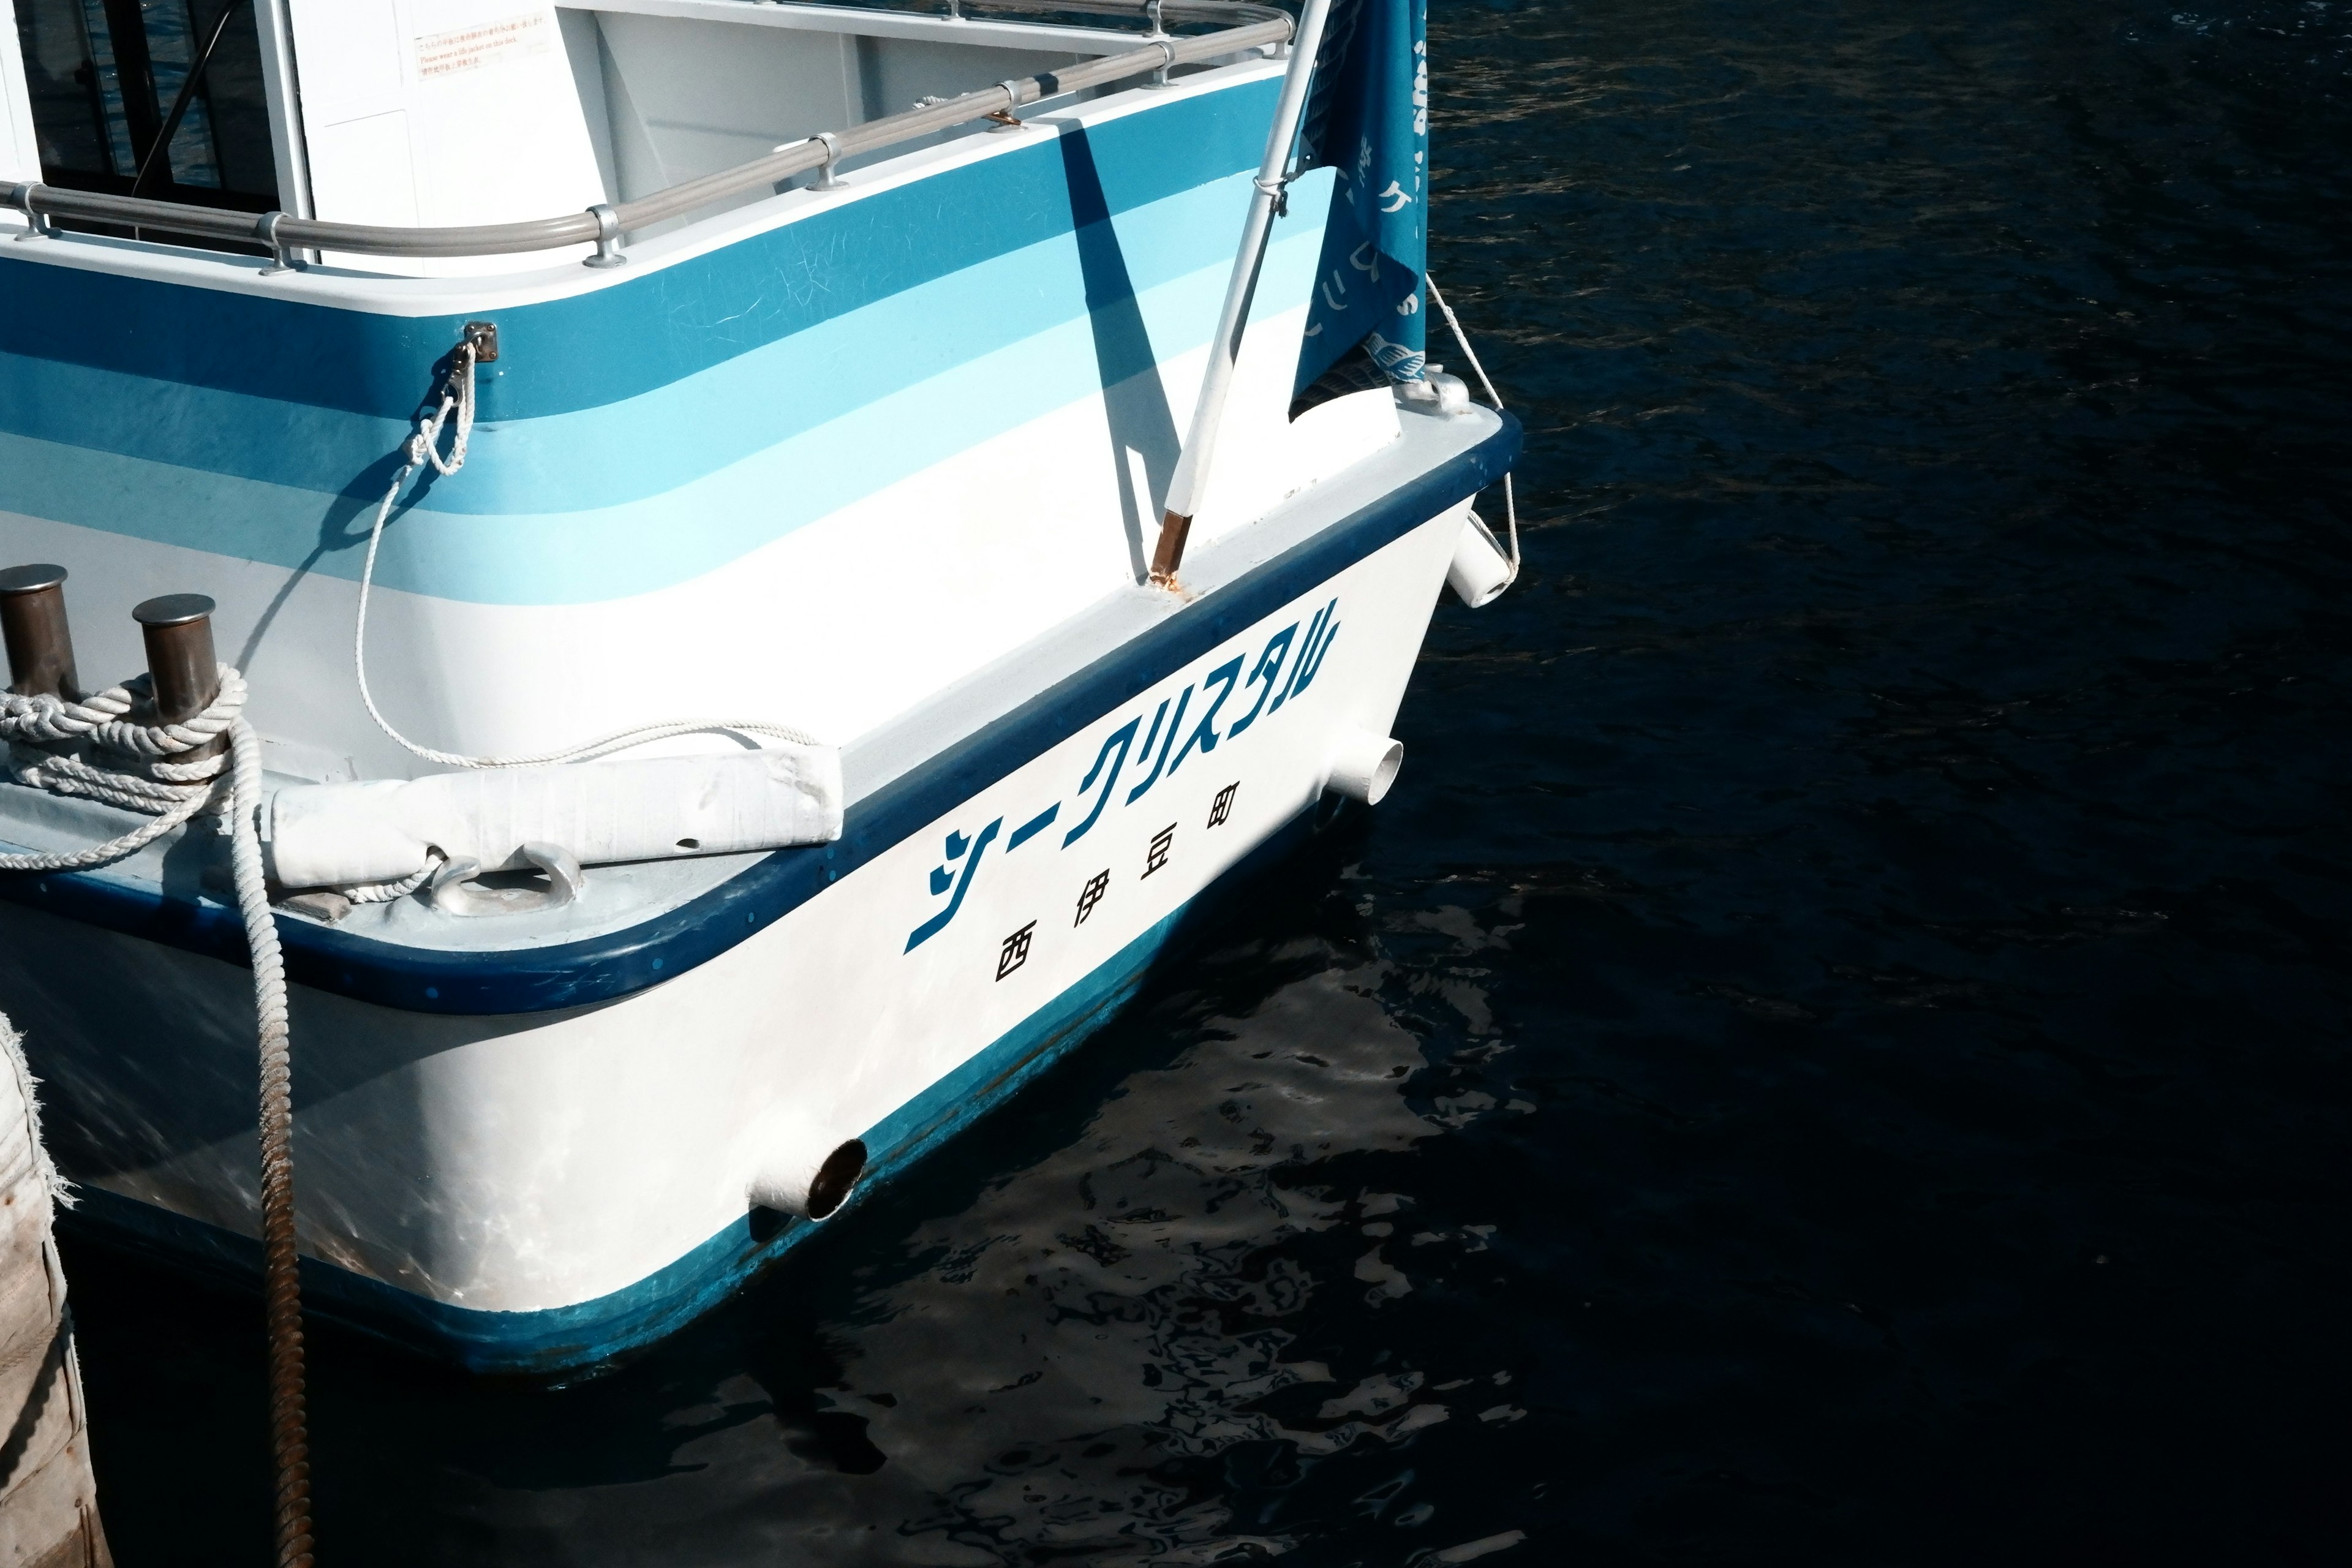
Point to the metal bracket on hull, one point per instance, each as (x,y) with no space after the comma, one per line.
(456,889)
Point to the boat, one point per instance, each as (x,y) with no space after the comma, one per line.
(706,694)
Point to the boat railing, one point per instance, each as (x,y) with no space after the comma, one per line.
(287,238)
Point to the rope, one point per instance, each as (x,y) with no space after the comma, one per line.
(422,448)
(1511,502)
(113,848)
(129,769)
(281,1278)
(106,719)
(96,748)
(384,892)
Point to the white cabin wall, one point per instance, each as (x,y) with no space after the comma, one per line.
(501,135)
(20,151)
(682,97)
(442,112)
(705,96)
(354,119)
(584,49)
(904,71)
(636,168)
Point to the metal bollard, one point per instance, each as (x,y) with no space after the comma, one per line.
(33,622)
(178,631)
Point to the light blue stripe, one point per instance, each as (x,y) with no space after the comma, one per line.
(656,440)
(508,545)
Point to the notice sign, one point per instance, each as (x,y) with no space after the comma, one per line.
(484,43)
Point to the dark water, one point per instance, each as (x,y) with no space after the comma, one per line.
(1836,1050)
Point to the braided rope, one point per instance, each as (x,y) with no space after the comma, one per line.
(104,724)
(130,843)
(65,774)
(282,1277)
(105,718)
(399,888)
(97,749)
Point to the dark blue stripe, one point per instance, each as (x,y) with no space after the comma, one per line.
(531,979)
(651,329)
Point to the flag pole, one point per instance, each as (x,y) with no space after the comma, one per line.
(1224,346)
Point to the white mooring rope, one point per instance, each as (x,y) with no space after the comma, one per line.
(116,759)
(422,448)
(97,748)
(1511,502)
(281,1275)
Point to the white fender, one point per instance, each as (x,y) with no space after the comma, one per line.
(1481,568)
(1363,765)
(339,835)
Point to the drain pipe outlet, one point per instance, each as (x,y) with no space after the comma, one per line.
(806,1173)
(1481,568)
(1363,765)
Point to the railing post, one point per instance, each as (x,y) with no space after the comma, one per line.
(608,238)
(20,196)
(827,180)
(281,256)
(1158,34)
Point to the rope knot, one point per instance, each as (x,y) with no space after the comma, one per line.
(108,747)
(39,720)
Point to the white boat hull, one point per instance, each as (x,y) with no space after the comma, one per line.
(539,1190)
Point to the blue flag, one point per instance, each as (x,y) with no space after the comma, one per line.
(1368,119)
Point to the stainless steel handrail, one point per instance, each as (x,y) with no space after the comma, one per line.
(285,235)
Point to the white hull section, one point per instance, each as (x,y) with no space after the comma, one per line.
(834,628)
(534,1162)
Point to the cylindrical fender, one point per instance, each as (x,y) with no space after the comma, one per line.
(1481,569)
(1363,765)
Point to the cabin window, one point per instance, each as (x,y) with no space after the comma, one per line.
(106,76)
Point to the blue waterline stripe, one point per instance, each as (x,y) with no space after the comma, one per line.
(674,321)
(565,1339)
(618,964)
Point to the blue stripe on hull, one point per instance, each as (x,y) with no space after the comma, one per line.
(557,355)
(565,1339)
(557,510)
(619,962)
(653,442)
